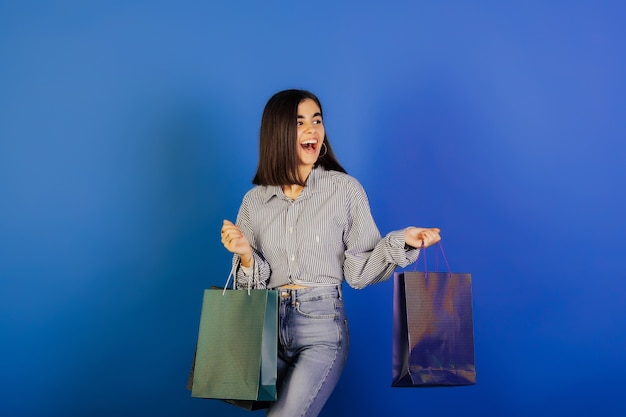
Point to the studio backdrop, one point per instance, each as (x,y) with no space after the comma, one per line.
(129,131)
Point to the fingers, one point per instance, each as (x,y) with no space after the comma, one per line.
(417,237)
(228,226)
(429,237)
(234,240)
(431,233)
(229,233)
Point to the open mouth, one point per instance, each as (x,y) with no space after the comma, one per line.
(309,145)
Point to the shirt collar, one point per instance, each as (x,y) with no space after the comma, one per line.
(311,184)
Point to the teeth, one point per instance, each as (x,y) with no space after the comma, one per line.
(309,142)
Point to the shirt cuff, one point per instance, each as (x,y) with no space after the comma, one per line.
(403,254)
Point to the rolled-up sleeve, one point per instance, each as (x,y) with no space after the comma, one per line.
(261,271)
(370,258)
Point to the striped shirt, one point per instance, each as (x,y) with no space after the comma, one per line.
(324,235)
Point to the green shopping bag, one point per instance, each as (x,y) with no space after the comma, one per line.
(236,355)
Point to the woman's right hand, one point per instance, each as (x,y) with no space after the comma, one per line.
(235,241)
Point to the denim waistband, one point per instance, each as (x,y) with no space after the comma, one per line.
(309,294)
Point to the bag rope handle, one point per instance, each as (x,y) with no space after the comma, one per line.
(423,252)
(232,274)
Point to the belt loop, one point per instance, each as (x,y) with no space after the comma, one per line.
(340,292)
(293,297)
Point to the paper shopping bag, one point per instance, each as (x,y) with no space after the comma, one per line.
(433,332)
(236,355)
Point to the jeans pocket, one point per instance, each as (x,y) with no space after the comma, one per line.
(324,308)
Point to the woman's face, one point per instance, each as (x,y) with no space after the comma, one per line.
(310,134)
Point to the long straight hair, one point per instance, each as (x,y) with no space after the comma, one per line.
(278,152)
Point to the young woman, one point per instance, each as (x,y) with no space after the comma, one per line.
(304,229)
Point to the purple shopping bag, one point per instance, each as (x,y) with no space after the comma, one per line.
(433,331)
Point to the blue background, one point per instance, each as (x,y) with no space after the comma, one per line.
(128,131)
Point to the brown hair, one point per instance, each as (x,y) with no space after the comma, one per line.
(278,155)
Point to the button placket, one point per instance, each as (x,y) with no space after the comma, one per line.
(291,235)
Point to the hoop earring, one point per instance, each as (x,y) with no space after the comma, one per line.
(325,150)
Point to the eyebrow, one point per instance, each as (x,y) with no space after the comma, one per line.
(318,114)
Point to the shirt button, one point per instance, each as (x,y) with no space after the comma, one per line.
(293,257)
(291,230)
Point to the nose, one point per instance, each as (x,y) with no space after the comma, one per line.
(310,127)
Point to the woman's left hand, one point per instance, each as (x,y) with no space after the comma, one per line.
(418,236)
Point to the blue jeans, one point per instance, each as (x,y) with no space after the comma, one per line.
(312,349)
